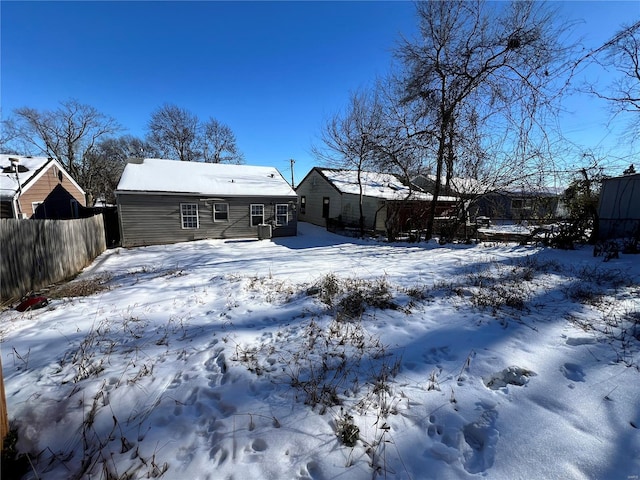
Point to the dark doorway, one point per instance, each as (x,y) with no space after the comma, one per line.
(325,207)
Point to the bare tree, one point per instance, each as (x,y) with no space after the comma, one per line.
(174,132)
(349,140)
(107,161)
(9,141)
(622,54)
(68,133)
(478,61)
(219,143)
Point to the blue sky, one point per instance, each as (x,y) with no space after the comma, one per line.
(272,71)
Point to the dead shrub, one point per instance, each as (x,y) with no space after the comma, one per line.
(81,288)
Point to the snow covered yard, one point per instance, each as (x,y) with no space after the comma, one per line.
(323,357)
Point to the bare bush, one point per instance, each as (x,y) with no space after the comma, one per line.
(81,288)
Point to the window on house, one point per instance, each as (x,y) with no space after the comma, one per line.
(189,215)
(282,214)
(521,203)
(6,209)
(257,214)
(220,212)
(75,209)
(303,204)
(39,210)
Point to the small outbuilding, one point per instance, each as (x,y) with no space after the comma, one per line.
(38,188)
(168,201)
(619,207)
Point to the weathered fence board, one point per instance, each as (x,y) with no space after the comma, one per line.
(37,253)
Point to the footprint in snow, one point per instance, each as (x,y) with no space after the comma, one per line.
(176,381)
(573,372)
(219,455)
(447,442)
(254,452)
(310,471)
(481,438)
(216,362)
(433,429)
(575,341)
(436,355)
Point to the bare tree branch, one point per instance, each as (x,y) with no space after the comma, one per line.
(219,143)
(173,131)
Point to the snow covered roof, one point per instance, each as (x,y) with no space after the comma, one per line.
(28,168)
(542,190)
(468,185)
(460,184)
(377,185)
(154,175)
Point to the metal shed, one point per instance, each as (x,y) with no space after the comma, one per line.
(619,208)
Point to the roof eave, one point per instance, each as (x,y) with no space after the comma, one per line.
(202,194)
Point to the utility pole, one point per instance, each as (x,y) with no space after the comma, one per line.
(292,162)
(14,164)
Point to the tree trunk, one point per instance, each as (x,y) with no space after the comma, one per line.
(436,189)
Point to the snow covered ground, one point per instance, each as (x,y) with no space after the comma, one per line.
(324,357)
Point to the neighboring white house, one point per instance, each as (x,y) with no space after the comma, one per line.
(333,195)
(168,201)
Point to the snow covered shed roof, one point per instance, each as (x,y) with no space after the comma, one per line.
(28,171)
(377,185)
(154,175)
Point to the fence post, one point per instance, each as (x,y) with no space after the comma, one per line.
(4,417)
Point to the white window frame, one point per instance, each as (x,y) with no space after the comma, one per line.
(285,214)
(186,217)
(217,220)
(35,205)
(251,214)
(303,204)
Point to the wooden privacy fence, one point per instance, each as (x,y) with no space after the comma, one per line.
(37,253)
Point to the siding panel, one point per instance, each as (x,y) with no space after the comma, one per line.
(315,187)
(619,208)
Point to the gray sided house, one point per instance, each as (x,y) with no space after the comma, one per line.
(513,205)
(333,196)
(619,208)
(167,201)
